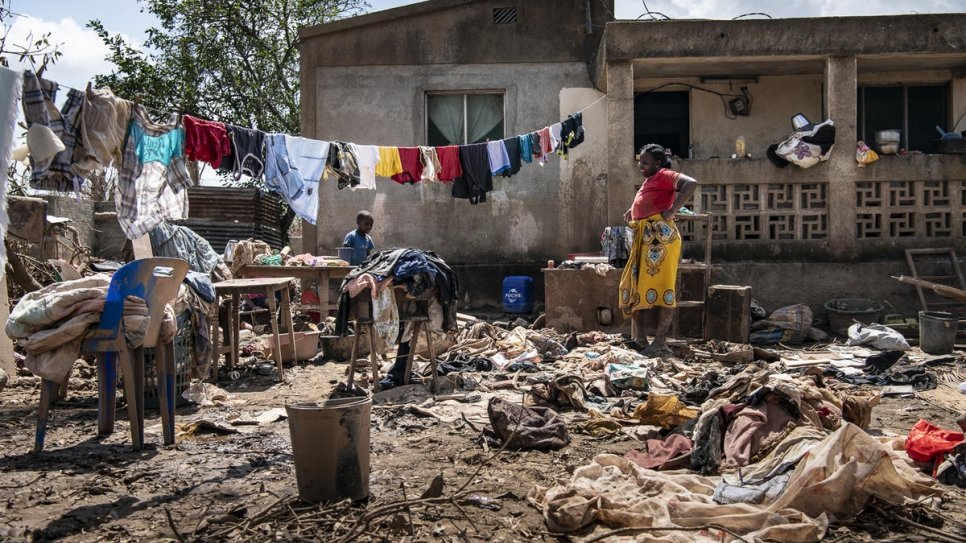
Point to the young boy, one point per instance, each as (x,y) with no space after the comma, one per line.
(359,238)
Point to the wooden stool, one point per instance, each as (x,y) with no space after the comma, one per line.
(417,326)
(360,324)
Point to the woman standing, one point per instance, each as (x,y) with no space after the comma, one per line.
(651,272)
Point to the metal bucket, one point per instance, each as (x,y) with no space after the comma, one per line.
(937,331)
(330,443)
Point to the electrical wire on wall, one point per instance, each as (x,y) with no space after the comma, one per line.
(731,109)
(743,15)
(653,14)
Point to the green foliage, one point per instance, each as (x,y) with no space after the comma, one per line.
(232,60)
(38,51)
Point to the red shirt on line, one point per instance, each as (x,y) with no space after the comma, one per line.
(655,195)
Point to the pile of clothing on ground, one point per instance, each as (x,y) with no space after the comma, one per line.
(765,444)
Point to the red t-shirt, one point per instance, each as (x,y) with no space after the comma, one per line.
(655,195)
(450,165)
(205,141)
(411,164)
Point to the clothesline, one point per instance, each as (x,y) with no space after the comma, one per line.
(161,113)
(95,129)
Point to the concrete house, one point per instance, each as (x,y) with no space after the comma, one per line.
(456,71)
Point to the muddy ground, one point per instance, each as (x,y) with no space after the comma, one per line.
(241,487)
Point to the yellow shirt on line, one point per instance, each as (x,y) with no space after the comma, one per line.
(389,163)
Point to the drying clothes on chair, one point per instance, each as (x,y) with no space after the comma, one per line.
(104,124)
(205,141)
(389,163)
(247,152)
(412,166)
(499,158)
(153,179)
(367,157)
(431,164)
(52,323)
(450,166)
(342,164)
(477,179)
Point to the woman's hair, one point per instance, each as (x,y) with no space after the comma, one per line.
(659,154)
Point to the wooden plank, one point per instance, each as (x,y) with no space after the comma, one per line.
(942,290)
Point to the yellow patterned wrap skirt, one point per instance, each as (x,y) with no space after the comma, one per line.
(652,269)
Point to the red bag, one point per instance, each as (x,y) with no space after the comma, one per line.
(926,441)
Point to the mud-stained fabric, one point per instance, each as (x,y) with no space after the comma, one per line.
(652,267)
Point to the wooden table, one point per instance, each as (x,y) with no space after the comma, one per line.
(322,274)
(235,288)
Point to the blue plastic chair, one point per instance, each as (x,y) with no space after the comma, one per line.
(156,281)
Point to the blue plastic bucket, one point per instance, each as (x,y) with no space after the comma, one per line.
(518,294)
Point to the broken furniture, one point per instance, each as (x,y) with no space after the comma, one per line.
(943,276)
(416,312)
(948,261)
(233,289)
(324,275)
(156,281)
(728,314)
(947,291)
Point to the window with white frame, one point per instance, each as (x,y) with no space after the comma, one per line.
(462,118)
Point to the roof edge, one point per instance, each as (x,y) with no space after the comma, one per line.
(376,17)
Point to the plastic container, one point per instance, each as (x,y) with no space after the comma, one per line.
(843,312)
(518,294)
(306,346)
(345,253)
(184,343)
(937,331)
(330,443)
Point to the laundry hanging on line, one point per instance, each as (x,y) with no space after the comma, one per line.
(94,130)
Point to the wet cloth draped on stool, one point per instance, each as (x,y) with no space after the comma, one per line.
(652,268)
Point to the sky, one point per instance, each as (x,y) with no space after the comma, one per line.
(83,52)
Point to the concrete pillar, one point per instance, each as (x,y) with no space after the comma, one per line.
(840,106)
(620,139)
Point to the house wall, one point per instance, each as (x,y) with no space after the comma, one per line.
(366,83)
(775,100)
(529,217)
